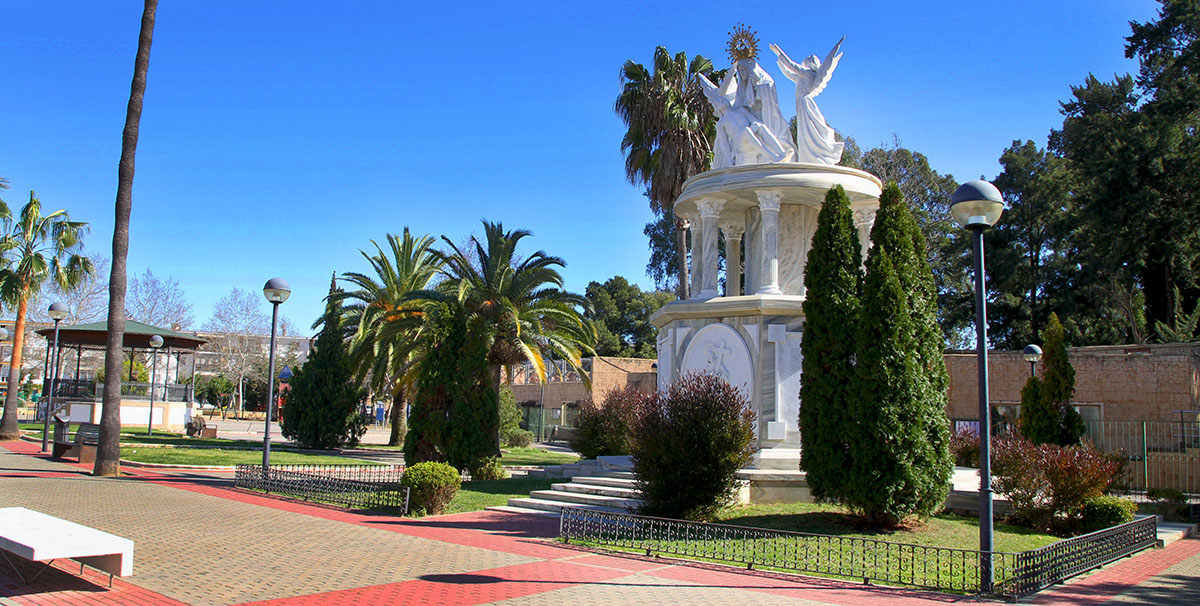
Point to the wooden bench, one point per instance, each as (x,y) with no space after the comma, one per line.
(38,537)
(87,436)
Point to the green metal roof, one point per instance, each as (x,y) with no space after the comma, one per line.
(137,335)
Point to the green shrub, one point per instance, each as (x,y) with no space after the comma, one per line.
(518,439)
(490,469)
(1172,504)
(607,428)
(690,443)
(431,486)
(1105,511)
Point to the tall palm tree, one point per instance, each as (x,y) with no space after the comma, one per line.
(670,128)
(108,450)
(387,324)
(35,248)
(520,299)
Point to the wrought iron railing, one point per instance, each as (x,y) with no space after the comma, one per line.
(1042,567)
(928,567)
(349,486)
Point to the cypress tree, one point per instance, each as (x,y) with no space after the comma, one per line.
(832,280)
(321,409)
(901,454)
(454,414)
(1047,416)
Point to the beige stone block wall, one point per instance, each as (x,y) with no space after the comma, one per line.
(1127,382)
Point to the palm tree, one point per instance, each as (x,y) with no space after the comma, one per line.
(108,450)
(388,325)
(34,247)
(520,299)
(670,129)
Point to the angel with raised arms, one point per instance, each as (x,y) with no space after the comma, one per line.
(815,142)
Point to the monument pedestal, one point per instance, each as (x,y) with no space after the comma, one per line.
(753,342)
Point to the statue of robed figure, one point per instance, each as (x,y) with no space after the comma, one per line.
(750,127)
(814,137)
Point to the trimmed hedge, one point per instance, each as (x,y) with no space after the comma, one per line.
(431,486)
(1105,511)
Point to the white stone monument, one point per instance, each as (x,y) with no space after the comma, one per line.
(763,194)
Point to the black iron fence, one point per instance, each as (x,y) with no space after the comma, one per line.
(1042,567)
(349,486)
(923,566)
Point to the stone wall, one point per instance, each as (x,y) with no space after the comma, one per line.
(607,374)
(1144,382)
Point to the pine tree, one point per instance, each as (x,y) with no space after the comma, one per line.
(901,457)
(454,414)
(832,279)
(1047,416)
(321,409)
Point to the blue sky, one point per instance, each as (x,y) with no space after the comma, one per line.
(278,139)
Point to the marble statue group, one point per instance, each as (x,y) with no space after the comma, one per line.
(750,127)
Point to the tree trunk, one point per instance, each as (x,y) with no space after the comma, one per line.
(496,371)
(681,226)
(9,429)
(108,451)
(399,419)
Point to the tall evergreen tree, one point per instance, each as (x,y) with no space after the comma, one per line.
(901,454)
(321,410)
(832,279)
(455,415)
(1047,416)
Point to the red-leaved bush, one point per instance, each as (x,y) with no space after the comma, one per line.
(607,428)
(1047,485)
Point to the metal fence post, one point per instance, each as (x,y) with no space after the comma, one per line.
(1145,459)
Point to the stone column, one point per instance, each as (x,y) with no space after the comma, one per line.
(733,258)
(768,204)
(697,266)
(864,220)
(710,211)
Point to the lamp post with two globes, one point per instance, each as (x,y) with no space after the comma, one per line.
(977,205)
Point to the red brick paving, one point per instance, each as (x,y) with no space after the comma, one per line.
(562,566)
(479,587)
(1107,583)
(63,585)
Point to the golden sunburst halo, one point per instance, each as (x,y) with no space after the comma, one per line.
(743,43)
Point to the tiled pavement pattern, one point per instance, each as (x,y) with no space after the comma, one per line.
(203,544)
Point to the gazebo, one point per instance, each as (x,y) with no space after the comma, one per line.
(82,397)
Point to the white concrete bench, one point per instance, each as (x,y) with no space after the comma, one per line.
(43,538)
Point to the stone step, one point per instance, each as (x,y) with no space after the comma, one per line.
(556,506)
(523,510)
(615,474)
(619,503)
(601,480)
(575,485)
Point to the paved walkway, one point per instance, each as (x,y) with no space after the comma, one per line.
(200,543)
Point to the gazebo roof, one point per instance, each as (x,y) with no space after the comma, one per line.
(137,335)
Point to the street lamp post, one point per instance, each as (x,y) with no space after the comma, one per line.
(155,342)
(276,291)
(1032,354)
(977,205)
(57,312)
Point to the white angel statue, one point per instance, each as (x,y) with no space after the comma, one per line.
(750,127)
(814,137)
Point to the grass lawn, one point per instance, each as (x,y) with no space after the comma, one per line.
(535,456)
(941,531)
(220,456)
(481,494)
(854,559)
